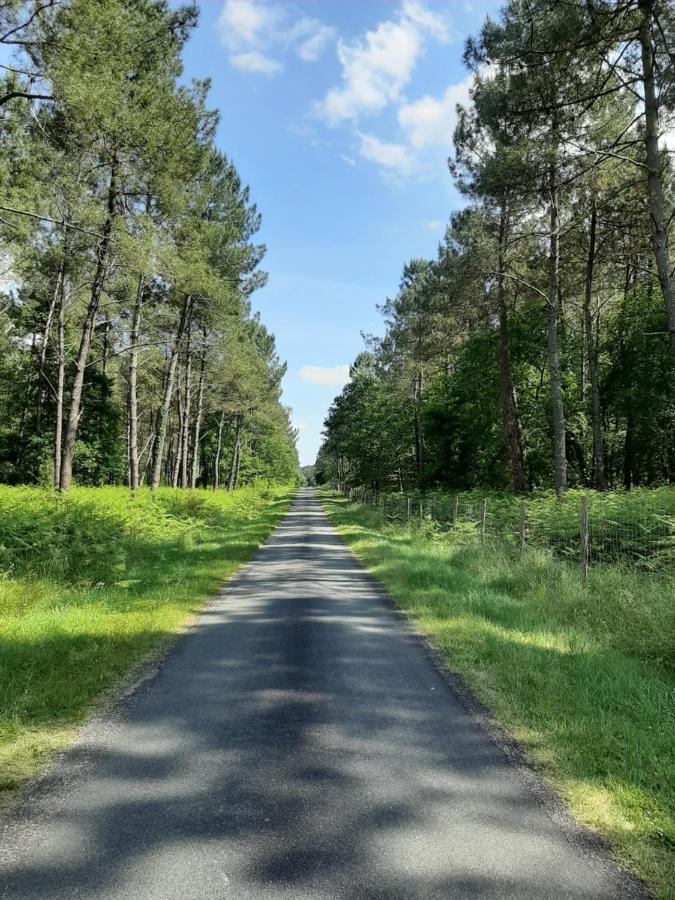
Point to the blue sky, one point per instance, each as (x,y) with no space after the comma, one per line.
(339,115)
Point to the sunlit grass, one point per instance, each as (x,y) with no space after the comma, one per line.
(582,678)
(90,583)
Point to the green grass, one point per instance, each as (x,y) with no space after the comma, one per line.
(90,583)
(636,526)
(582,678)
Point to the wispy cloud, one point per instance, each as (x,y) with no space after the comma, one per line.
(377,67)
(394,158)
(337,376)
(255,62)
(430,121)
(257,33)
(348,160)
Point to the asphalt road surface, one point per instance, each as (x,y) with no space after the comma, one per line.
(297,743)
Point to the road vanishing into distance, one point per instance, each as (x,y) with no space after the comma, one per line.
(298,742)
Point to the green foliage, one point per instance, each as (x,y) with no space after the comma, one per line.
(583,678)
(131,264)
(90,582)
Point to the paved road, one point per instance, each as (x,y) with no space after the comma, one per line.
(297,743)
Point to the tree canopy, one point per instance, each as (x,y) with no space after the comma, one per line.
(128,348)
(537,348)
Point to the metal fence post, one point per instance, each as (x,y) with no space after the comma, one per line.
(483,514)
(522,525)
(584,546)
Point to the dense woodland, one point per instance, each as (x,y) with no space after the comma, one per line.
(128,350)
(536,350)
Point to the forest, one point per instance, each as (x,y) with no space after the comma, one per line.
(536,350)
(129,352)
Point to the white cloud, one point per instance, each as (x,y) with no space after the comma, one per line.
(252,30)
(394,158)
(256,62)
(244,22)
(337,376)
(376,68)
(431,121)
(313,38)
(348,160)
(432,225)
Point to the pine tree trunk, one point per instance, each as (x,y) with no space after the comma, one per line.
(133,386)
(507,393)
(659,228)
(559,452)
(219,448)
(198,416)
(175,476)
(417,424)
(234,468)
(187,403)
(60,381)
(42,357)
(592,359)
(163,412)
(102,259)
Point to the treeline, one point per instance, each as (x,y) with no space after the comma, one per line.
(128,351)
(536,349)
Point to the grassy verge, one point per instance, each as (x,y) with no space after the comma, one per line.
(583,679)
(90,583)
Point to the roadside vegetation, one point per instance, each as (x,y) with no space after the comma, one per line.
(91,582)
(581,677)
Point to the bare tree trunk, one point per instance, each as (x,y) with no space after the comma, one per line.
(507,393)
(42,357)
(102,258)
(417,424)
(163,412)
(219,448)
(106,346)
(592,357)
(133,386)
(60,380)
(198,416)
(187,403)
(558,409)
(659,228)
(175,478)
(234,468)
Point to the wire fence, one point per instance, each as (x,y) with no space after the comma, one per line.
(634,528)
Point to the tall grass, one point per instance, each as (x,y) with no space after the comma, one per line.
(635,527)
(90,582)
(583,678)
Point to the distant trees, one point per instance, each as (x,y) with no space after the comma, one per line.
(127,243)
(542,333)
(128,350)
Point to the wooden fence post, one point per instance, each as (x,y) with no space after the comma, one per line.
(455,510)
(483,514)
(421,511)
(522,525)
(409,509)
(583,529)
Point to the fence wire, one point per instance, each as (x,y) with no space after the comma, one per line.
(635,528)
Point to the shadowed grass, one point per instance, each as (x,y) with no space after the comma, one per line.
(90,583)
(583,679)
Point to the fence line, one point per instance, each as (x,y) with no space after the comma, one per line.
(593,529)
